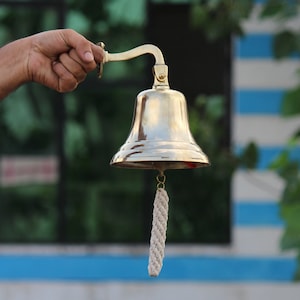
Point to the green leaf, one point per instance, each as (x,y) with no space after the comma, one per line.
(290,240)
(215,107)
(18,115)
(297,273)
(49,20)
(91,212)
(201,101)
(93,125)
(126,12)
(291,193)
(287,168)
(289,171)
(72,104)
(249,156)
(272,8)
(291,104)
(75,140)
(290,212)
(77,21)
(213,4)
(280,161)
(198,15)
(285,43)
(243,9)
(294,140)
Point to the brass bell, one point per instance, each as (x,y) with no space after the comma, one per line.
(160,136)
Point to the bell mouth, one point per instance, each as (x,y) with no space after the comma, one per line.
(159,165)
(160,155)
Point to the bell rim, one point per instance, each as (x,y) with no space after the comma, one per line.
(159,165)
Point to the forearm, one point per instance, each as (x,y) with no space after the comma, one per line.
(13,62)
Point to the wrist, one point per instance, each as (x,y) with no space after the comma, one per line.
(13,61)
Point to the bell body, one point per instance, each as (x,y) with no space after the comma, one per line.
(160,136)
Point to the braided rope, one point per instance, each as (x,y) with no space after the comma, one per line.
(158,232)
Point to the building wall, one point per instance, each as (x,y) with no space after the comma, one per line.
(251,268)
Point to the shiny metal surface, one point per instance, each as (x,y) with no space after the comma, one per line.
(160,136)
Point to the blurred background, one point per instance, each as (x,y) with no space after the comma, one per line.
(75,135)
(72,226)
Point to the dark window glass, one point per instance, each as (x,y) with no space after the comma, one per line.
(90,201)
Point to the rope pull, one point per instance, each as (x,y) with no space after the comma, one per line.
(159,227)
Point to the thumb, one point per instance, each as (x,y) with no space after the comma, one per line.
(82,46)
(89,52)
(88,56)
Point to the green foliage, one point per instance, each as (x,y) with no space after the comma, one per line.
(287,43)
(249,156)
(78,21)
(289,170)
(28,214)
(273,8)
(220,18)
(18,115)
(124,12)
(99,211)
(291,104)
(280,9)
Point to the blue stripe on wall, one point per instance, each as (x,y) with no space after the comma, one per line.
(267,102)
(268,154)
(256,214)
(254,46)
(134,268)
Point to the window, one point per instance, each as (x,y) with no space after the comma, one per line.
(90,201)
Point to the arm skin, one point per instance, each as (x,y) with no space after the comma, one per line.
(58,59)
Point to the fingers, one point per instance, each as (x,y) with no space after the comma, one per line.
(65,81)
(75,66)
(86,51)
(71,70)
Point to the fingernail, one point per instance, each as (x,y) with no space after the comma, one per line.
(89,56)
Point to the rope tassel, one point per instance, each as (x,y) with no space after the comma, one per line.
(159,228)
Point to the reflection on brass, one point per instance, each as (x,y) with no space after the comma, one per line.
(160,131)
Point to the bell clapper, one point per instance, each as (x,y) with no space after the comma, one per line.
(159,227)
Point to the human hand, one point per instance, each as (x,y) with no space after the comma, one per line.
(60,59)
